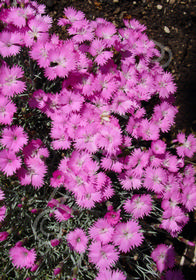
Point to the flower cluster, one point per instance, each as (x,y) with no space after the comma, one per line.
(108,121)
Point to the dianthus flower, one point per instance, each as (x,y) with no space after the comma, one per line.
(3,235)
(102,231)
(2,213)
(164,256)
(10,80)
(108,274)
(9,162)
(63,212)
(2,195)
(112,217)
(34,174)
(155,179)
(78,240)
(7,110)
(173,220)
(139,205)
(187,145)
(10,43)
(174,275)
(13,138)
(103,256)
(71,15)
(165,84)
(127,236)
(21,257)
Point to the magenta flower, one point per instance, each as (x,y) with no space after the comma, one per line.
(7,110)
(21,257)
(106,31)
(97,49)
(71,15)
(2,195)
(3,235)
(78,240)
(10,80)
(102,231)
(174,275)
(10,43)
(187,145)
(155,179)
(63,212)
(139,205)
(2,213)
(54,242)
(13,138)
(9,162)
(112,217)
(103,256)
(108,274)
(166,85)
(34,174)
(164,256)
(127,235)
(62,61)
(173,220)
(158,147)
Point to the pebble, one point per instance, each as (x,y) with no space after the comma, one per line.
(172,1)
(134,2)
(115,1)
(166,29)
(159,7)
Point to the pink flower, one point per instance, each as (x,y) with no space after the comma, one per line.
(21,257)
(3,235)
(164,256)
(158,147)
(127,236)
(9,162)
(2,195)
(82,31)
(10,43)
(109,138)
(63,212)
(130,181)
(173,220)
(37,30)
(103,256)
(112,217)
(13,138)
(97,49)
(71,15)
(10,80)
(148,130)
(187,145)
(54,242)
(2,213)
(188,196)
(139,205)
(7,110)
(34,174)
(78,240)
(106,31)
(174,275)
(166,85)
(108,274)
(102,231)
(155,179)
(57,179)
(62,61)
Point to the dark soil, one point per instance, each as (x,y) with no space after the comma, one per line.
(172,23)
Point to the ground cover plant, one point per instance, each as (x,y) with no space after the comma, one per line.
(90,176)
